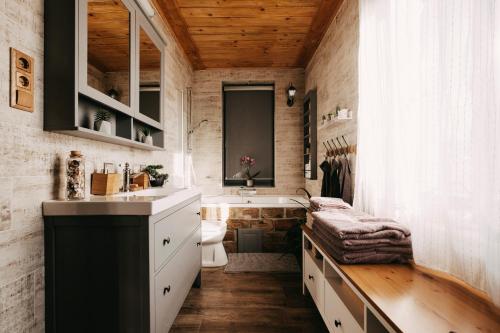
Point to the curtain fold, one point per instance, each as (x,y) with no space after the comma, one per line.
(429,130)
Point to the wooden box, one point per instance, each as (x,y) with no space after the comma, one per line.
(106,183)
(141,179)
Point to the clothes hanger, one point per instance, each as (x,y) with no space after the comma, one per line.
(327,151)
(345,155)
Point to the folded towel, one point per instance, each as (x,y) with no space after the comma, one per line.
(360,244)
(343,226)
(323,203)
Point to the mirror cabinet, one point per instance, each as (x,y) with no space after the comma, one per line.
(104,72)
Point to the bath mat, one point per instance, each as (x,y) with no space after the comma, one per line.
(261,262)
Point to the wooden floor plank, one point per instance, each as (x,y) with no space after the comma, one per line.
(247,303)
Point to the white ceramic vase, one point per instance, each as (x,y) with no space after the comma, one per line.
(147,139)
(103,126)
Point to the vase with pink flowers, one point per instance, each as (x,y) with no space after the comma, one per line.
(247,162)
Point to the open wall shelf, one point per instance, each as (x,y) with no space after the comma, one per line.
(310,135)
(75,88)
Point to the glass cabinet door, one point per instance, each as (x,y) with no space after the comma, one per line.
(108,50)
(150,80)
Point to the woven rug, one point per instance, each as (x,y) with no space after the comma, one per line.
(261,262)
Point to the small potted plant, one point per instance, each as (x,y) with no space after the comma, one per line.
(156,179)
(101,121)
(247,162)
(146,135)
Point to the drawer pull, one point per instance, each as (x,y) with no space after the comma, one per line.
(166,290)
(166,241)
(311,277)
(198,244)
(337,323)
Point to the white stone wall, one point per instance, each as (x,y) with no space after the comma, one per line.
(333,70)
(207,140)
(31,160)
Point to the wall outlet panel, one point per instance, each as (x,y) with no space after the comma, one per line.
(21,81)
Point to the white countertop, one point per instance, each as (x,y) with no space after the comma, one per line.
(147,202)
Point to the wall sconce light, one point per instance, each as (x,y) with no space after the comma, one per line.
(291,95)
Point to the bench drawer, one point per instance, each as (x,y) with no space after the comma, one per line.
(336,314)
(314,280)
(171,231)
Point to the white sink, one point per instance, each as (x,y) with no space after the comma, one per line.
(150,192)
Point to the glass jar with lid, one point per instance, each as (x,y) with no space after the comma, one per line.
(75,176)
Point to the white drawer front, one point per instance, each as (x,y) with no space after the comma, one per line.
(173,229)
(336,314)
(314,280)
(173,282)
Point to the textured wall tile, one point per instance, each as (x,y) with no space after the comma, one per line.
(284,224)
(17,305)
(207,140)
(32,162)
(235,224)
(295,212)
(5,203)
(244,213)
(266,225)
(333,70)
(273,212)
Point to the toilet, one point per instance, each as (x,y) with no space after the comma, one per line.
(213,252)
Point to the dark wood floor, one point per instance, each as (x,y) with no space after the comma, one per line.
(248,302)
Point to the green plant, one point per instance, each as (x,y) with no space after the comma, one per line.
(152,171)
(146,131)
(102,115)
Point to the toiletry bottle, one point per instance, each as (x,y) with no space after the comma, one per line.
(75,176)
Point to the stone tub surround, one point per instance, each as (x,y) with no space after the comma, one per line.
(274,221)
(31,161)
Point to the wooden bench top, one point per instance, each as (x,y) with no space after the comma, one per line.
(412,299)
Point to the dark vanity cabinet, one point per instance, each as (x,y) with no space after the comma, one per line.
(120,273)
(100,55)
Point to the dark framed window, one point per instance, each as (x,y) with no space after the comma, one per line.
(248,118)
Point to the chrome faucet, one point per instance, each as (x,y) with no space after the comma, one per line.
(126,178)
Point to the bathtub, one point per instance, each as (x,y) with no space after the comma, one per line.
(273,214)
(259,201)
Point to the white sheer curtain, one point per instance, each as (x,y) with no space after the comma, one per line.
(429,129)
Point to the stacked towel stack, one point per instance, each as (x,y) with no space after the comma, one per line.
(317,204)
(352,237)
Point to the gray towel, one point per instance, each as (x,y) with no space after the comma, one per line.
(343,226)
(366,257)
(322,203)
(360,244)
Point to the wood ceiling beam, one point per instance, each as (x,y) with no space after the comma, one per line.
(246,3)
(170,12)
(257,30)
(327,10)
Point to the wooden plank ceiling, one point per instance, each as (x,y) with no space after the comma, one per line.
(248,33)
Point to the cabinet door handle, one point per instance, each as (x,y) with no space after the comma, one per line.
(166,290)
(166,241)
(337,323)
(198,244)
(198,213)
(311,277)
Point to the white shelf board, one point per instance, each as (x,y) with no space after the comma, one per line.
(333,122)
